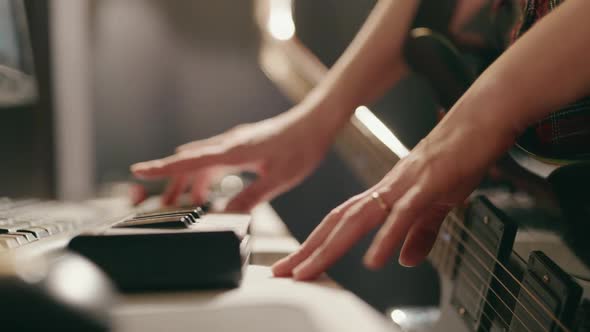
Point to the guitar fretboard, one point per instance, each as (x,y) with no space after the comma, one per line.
(444,252)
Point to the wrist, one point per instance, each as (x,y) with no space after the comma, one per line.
(325,114)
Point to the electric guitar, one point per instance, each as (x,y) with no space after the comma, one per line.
(517,257)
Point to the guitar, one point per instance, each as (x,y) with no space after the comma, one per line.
(516,257)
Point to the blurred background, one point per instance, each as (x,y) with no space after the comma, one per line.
(121,81)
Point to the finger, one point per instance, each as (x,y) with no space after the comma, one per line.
(421,236)
(137,194)
(214,140)
(174,189)
(357,222)
(200,187)
(189,161)
(285,266)
(261,190)
(405,212)
(200,143)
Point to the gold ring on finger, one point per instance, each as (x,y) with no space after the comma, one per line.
(376,196)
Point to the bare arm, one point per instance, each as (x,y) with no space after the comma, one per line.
(547,68)
(371,64)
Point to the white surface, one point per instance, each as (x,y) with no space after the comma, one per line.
(262,303)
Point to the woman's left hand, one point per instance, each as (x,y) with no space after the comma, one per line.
(409,203)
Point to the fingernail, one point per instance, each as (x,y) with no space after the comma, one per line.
(403,262)
(137,166)
(369,257)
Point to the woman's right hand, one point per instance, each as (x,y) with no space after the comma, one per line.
(282,151)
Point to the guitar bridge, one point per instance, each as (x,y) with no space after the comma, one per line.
(487,238)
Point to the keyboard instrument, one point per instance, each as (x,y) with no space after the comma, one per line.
(24,222)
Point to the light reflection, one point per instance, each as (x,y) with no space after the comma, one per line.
(380,130)
(280,21)
(76,281)
(398,316)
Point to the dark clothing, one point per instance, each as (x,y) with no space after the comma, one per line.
(564,134)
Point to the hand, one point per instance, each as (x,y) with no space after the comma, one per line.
(281,150)
(419,191)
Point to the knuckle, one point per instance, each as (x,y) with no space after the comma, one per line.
(403,207)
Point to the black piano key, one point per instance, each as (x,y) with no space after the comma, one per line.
(29,236)
(199,211)
(195,212)
(50,229)
(158,222)
(206,206)
(39,232)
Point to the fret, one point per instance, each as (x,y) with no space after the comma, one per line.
(443,251)
(455,216)
(446,240)
(435,254)
(496,233)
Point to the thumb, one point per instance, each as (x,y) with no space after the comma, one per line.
(421,236)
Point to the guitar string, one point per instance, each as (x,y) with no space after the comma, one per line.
(483,297)
(447,226)
(493,274)
(473,270)
(457,221)
(480,278)
(470,282)
(524,288)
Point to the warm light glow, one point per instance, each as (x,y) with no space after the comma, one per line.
(380,130)
(76,280)
(398,316)
(280,21)
(231,185)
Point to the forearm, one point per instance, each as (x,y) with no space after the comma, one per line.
(544,70)
(370,65)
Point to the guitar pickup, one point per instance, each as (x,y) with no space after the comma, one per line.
(487,238)
(546,286)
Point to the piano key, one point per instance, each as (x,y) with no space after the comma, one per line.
(156,222)
(50,229)
(29,236)
(39,232)
(8,242)
(20,239)
(194,212)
